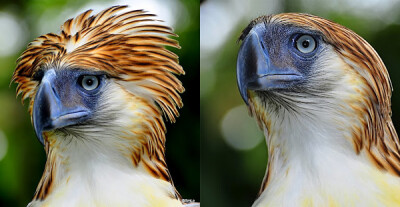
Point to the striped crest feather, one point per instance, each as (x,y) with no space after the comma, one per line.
(128,45)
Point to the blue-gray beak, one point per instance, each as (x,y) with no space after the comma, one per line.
(255,70)
(49,112)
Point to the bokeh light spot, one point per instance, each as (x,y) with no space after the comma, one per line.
(11,35)
(239,130)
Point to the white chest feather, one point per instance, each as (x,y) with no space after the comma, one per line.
(110,187)
(89,176)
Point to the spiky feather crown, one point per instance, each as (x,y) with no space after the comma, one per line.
(129,46)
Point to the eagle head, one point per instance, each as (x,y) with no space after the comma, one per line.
(306,66)
(104,74)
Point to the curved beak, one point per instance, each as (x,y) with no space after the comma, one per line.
(255,70)
(49,112)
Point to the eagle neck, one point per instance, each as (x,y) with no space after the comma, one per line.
(134,152)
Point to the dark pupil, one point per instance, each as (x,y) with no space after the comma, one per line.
(305,43)
(89,82)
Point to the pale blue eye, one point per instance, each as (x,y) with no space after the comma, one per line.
(90,82)
(305,44)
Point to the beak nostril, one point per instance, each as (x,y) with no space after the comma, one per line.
(262,46)
(55,92)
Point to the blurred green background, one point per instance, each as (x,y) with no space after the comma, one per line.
(22,157)
(233,150)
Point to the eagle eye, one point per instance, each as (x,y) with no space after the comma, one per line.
(89,82)
(38,75)
(305,44)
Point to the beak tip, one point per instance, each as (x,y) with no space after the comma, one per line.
(40,137)
(38,129)
(243,91)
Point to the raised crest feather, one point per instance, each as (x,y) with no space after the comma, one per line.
(127,45)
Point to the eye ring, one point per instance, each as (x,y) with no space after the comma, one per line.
(89,82)
(305,44)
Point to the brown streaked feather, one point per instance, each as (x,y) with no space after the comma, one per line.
(376,138)
(128,46)
(46,182)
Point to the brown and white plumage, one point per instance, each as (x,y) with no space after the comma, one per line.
(328,126)
(116,156)
(129,46)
